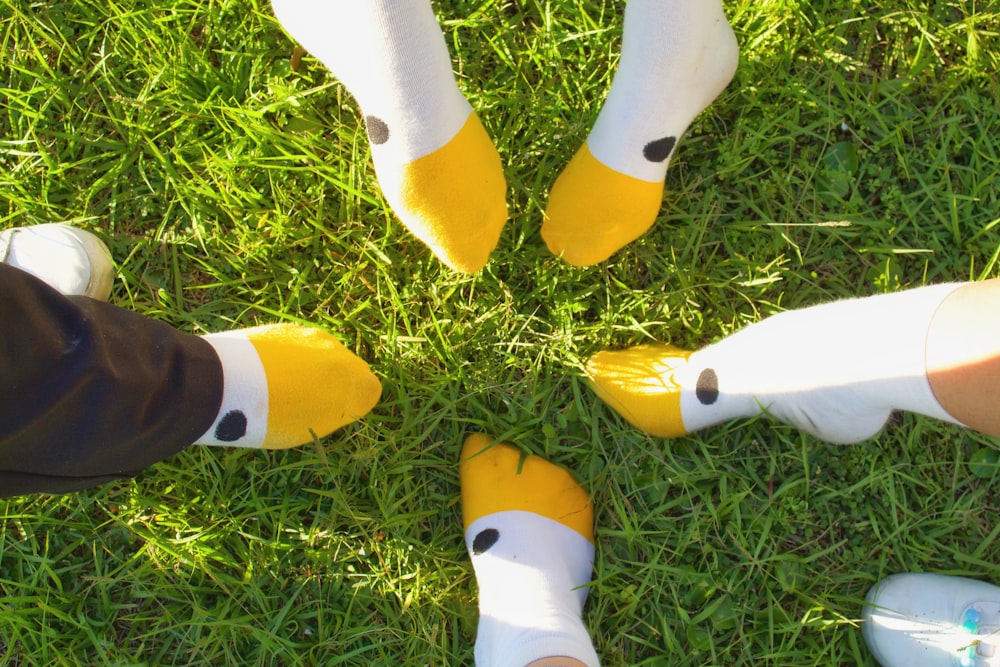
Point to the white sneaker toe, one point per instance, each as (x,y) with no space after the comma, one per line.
(933,620)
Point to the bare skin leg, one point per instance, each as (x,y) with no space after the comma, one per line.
(963,355)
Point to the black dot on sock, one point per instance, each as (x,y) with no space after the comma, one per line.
(232,427)
(659,150)
(378,131)
(707,389)
(484,540)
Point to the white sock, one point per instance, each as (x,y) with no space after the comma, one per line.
(836,370)
(677,56)
(529,530)
(531,572)
(284,385)
(242,420)
(437,168)
(392,57)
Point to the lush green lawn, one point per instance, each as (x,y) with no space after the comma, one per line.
(857,151)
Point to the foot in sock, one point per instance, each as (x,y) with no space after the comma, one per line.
(836,371)
(435,163)
(285,384)
(529,532)
(676,58)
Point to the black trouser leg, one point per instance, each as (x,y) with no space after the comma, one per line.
(90,392)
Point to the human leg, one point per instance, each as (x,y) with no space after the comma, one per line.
(963,355)
(835,370)
(93,393)
(676,58)
(435,163)
(529,532)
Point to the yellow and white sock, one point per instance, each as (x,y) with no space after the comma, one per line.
(836,370)
(283,384)
(438,168)
(529,532)
(676,58)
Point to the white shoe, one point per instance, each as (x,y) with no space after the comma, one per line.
(933,620)
(70,260)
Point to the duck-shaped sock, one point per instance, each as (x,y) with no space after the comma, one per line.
(285,384)
(436,165)
(835,370)
(529,533)
(676,58)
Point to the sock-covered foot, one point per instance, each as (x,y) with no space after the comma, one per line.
(676,58)
(529,532)
(285,384)
(836,371)
(437,167)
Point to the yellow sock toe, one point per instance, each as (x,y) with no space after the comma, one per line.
(498,478)
(594,211)
(638,383)
(454,199)
(314,383)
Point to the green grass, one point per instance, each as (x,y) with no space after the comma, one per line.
(857,151)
